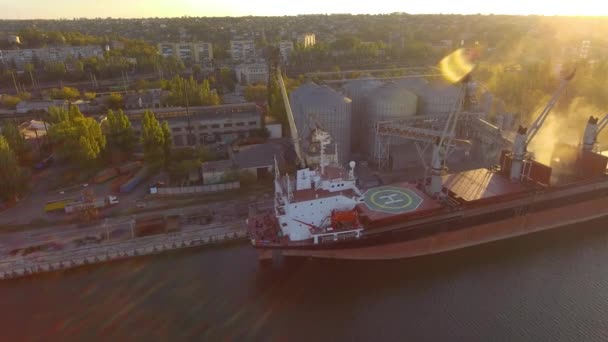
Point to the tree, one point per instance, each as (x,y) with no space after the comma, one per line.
(65,93)
(115,101)
(153,140)
(256,93)
(190,92)
(55,70)
(13,179)
(167,140)
(119,133)
(15,139)
(228,79)
(89,96)
(29,67)
(76,138)
(9,101)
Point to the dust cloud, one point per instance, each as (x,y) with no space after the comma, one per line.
(561,127)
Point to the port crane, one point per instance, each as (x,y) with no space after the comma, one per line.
(525,135)
(458,68)
(295,138)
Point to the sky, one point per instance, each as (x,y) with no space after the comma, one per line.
(47,9)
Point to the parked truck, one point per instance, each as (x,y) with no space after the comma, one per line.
(98,203)
(58,205)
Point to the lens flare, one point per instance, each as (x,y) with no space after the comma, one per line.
(457,65)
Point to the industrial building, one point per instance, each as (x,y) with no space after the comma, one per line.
(206,125)
(196,52)
(320,106)
(251,73)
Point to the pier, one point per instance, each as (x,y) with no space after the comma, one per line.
(14,266)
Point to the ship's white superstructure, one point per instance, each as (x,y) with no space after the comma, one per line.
(304,205)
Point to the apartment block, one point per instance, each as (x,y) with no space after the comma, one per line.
(196,52)
(242,50)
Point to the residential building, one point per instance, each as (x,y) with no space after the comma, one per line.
(242,50)
(252,73)
(48,54)
(306,39)
(285,49)
(206,125)
(196,52)
(32,106)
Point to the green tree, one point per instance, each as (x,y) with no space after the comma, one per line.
(29,67)
(65,93)
(89,95)
(9,101)
(15,139)
(55,70)
(228,79)
(13,179)
(153,140)
(118,131)
(167,140)
(190,92)
(76,138)
(115,101)
(256,93)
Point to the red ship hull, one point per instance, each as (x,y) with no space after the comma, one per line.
(453,240)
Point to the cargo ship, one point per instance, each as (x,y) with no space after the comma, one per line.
(322,213)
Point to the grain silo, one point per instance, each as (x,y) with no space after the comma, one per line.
(315,105)
(388,102)
(358,91)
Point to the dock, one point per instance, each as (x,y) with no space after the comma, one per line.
(189,236)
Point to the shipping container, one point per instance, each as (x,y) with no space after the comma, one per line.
(118,182)
(129,185)
(57,205)
(74,207)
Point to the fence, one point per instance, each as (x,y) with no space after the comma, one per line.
(190,236)
(198,189)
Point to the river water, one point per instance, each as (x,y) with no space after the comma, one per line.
(551,286)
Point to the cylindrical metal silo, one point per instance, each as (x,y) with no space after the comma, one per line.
(315,105)
(358,91)
(388,102)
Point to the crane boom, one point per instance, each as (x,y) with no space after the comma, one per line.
(602,124)
(540,120)
(292,124)
(524,136)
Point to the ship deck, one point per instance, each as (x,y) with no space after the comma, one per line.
(395,200)
(479,184)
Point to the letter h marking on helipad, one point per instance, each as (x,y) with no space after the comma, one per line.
(391,199)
